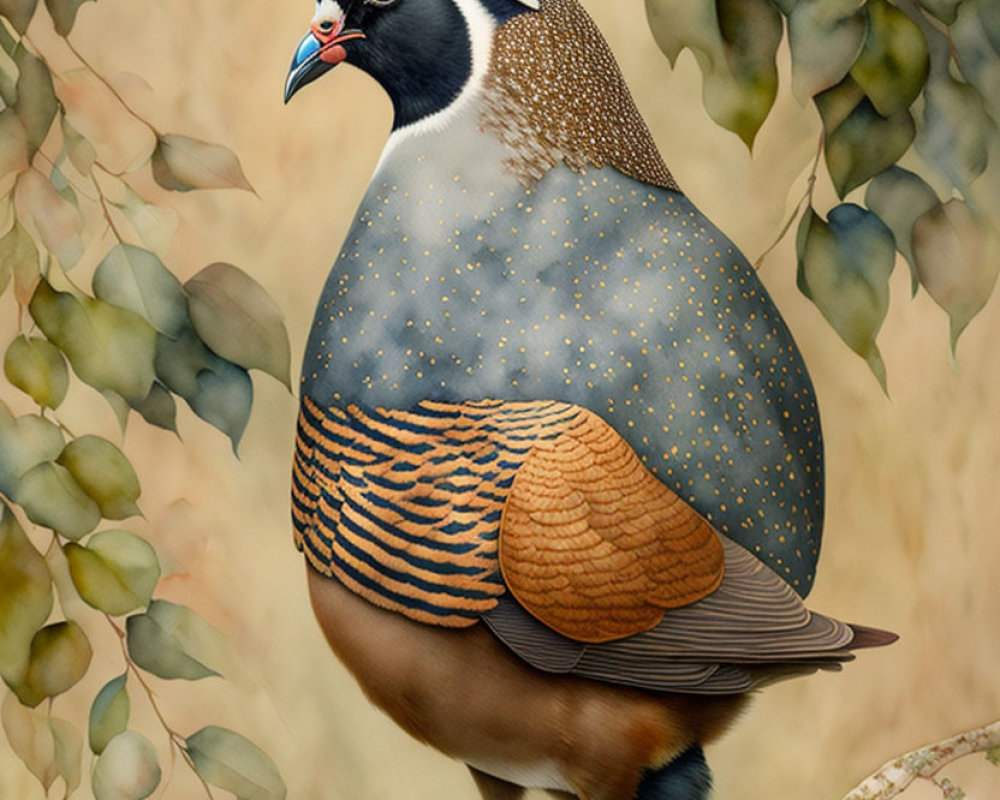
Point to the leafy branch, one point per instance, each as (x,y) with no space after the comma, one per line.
(142,339)
(893,83)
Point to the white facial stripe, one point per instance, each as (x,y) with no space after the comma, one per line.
(328,9)
(481,27)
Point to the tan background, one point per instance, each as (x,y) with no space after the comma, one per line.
(914,501)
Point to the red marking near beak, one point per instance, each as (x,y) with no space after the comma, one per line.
(332,52)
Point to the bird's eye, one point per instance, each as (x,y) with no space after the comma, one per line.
(326,26)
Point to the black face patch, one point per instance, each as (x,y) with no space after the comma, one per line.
(418,50)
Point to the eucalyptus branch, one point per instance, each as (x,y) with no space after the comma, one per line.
(925,763)
(176,740)
(804,202)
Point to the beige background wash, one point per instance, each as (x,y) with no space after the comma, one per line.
(911,541)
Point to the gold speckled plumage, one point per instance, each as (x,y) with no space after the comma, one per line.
(554,93)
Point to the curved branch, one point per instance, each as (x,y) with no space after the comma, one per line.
(925,762)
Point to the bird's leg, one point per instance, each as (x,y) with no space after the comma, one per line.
(687,777)
(495,789)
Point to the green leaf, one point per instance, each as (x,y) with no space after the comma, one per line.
(956,131)
(976,52)
(844,268)
(181,163)
(989,17)
(894,64)
(38,369)
(159,408)
(8,79)
(865,144)
(944,10)
(238,320)
(105,474)
(31,739)
(80,152)
(51,498)
(127,769)
(900,197)
(826,37)
(68,753)
(109,347)
(63,13)
(19,12)
(24,443)
(134,278)
(13,144)
(735,42)
(993,756)
(60,657)
(109,714)
(36,98)
(218,391)
(115,573)
(18,251)
(155,225)
(957,261)
(25,596)
(235,764)
(57,221)
(161,641)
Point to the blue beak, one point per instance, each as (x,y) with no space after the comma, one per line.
(306,65)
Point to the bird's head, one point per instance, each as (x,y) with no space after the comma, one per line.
(422,52)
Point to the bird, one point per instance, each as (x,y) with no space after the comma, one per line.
(558,474)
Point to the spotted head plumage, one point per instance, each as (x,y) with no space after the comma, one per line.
(541,390)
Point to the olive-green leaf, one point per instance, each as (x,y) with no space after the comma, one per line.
(181,163)
(127,769)
(37,368)
(68,753)
(25,442)
(893,66)
(80,152)
(238,320)
(56,219)
(116,572)
(136,279)
(8,79)
(63,13)
(51,498)
(900,197)
(159,408)
(989,17)
(865,144)
(958,261)
(154,224)
(60,657)
(233,763)
(826,37)
(161,641)
(844,268)
(734,42)
(957,130)
(19,12)
(944,10)
(25,596)
(13,143)
(105,474)
(30,737)
(993,756)
(18,251)
(36,98)
(109,347)
(109,714)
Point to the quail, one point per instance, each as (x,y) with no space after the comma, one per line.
(558,474)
